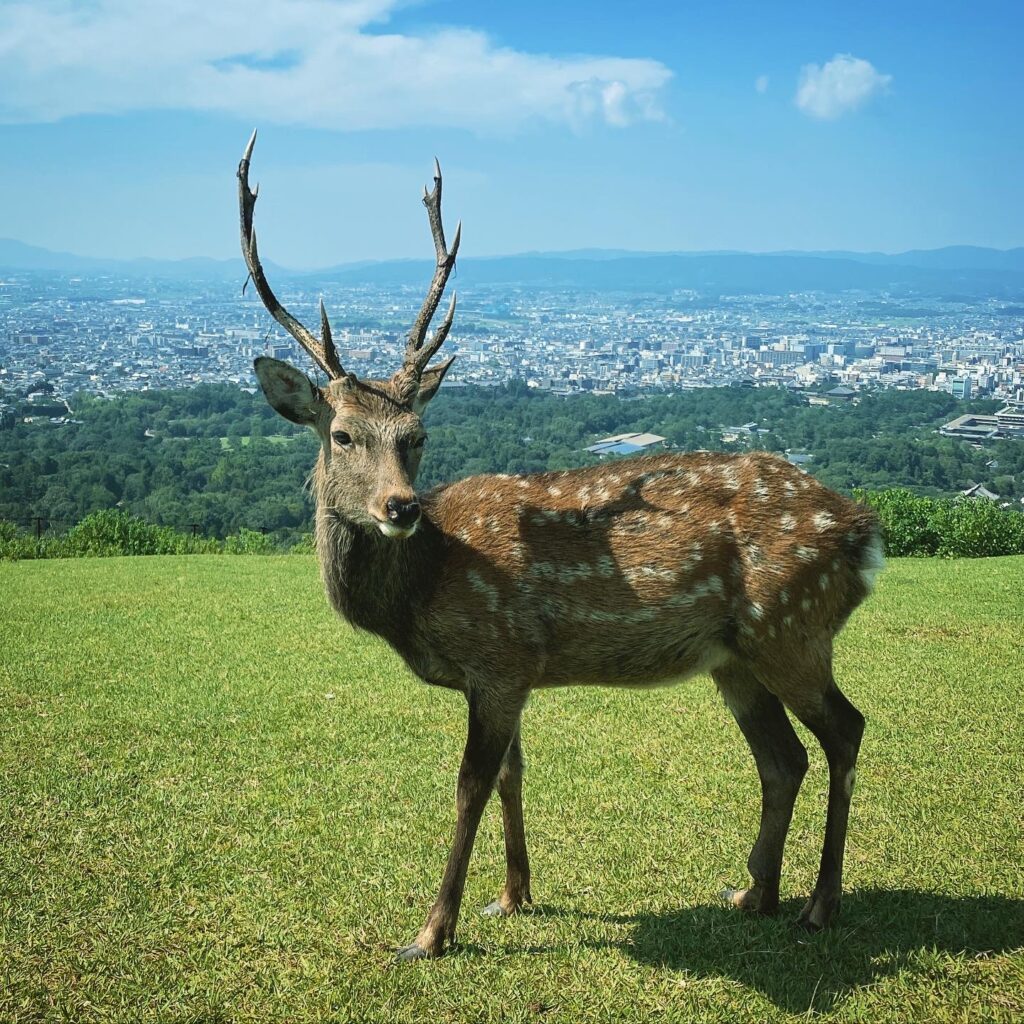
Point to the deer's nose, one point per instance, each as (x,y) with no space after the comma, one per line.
(403,513)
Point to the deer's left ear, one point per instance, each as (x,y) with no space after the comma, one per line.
(430,381)
(289,391)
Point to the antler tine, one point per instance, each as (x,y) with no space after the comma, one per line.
(430,349)
(416,353)
(323,353)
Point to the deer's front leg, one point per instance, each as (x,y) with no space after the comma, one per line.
(493,721)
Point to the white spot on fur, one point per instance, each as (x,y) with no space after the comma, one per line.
(756,610)
(649,572)
(806,554)
(823,521)
(788,523)
(784,597)
(806,604)
(790,487)
(523,482)
(761,491)
(824,580)
(554,491)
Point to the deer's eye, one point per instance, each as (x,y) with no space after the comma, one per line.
(418,442)
(342,439)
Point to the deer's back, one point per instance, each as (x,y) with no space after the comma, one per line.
(642,570)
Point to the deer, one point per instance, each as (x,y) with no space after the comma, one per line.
(642,571)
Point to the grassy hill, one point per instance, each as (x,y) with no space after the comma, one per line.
(218,803)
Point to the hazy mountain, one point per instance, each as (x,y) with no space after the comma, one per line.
(17,256)
(955,270)
(717,274)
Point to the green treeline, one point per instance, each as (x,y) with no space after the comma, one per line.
(220,458)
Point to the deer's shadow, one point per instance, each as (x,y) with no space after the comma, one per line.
(879,933)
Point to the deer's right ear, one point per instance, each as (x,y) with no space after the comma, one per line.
(288,390)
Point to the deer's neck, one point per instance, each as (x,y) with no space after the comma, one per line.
(377,583)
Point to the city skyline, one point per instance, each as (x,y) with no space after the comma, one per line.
(691,127)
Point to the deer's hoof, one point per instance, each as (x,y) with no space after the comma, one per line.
(414,952)
(818,912)
(495,909)
(731,896)
(754,900)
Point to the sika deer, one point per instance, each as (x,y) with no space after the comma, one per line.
(641,571)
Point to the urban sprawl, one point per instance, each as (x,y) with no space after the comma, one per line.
(61,336)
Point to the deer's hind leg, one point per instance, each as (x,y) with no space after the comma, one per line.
(810,692)
(781,764)
(517,870)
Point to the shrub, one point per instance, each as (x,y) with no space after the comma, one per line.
(305,545)
(113,532)
(948,527)
(249,542)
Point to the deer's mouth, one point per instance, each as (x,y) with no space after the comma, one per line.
(397,532)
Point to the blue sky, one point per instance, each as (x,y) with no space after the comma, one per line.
(560,125)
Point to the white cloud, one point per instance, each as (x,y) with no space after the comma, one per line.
(324,63)
(838,87)
(761,83)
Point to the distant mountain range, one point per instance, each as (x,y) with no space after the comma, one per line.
(954,271)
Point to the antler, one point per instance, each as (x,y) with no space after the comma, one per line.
(417,352)
(323,352)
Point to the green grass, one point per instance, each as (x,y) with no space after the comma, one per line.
(218,803)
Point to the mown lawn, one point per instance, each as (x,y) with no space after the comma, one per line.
(218,803)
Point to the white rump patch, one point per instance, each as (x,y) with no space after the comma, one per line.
(872,562)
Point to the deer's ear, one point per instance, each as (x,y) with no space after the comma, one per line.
(288,390)
(430,381)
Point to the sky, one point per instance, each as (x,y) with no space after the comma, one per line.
(753,126)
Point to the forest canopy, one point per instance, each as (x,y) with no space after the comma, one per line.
(220,458)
